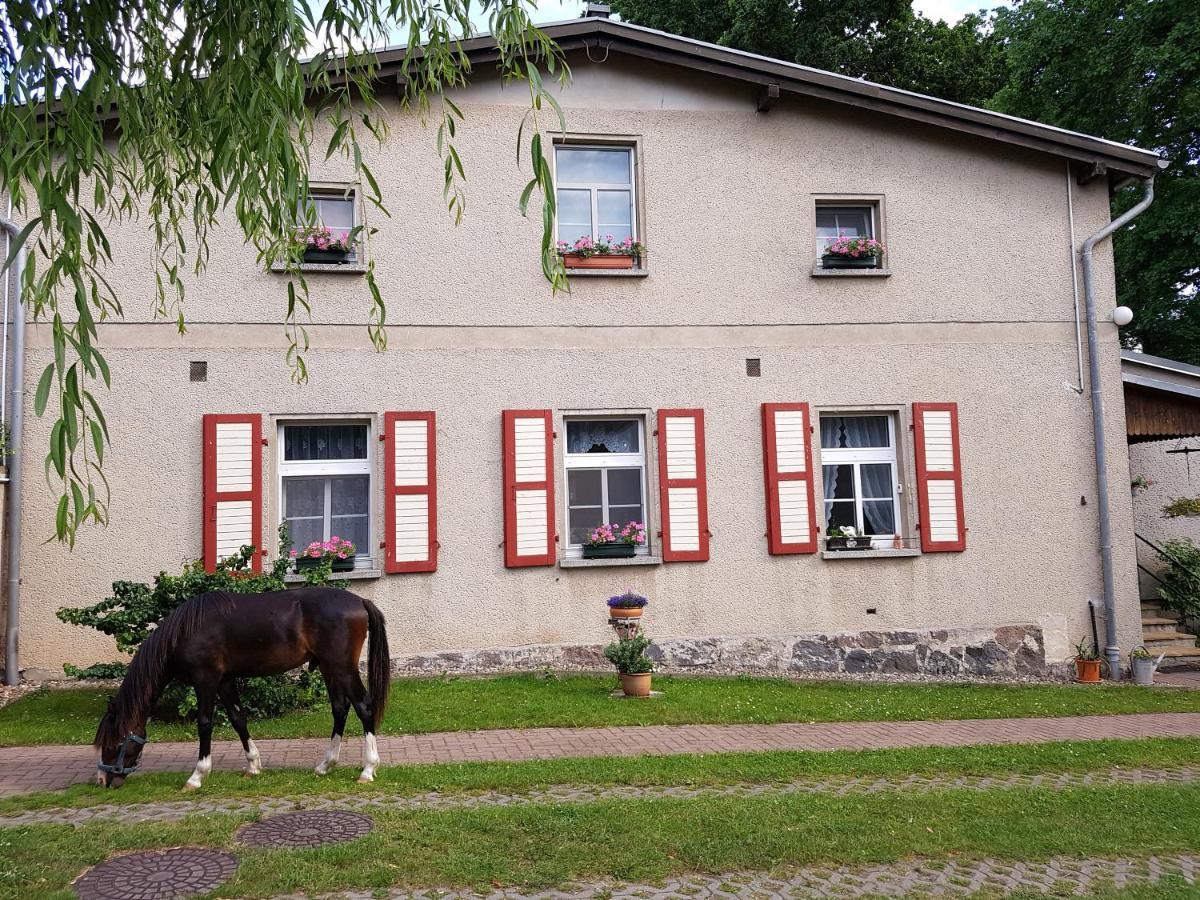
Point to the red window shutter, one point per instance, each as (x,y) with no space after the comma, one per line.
(683,493)
(410,491)
(233,515)
(529,530)
(939,477)
(787,461)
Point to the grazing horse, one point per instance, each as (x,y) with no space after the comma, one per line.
(212,640)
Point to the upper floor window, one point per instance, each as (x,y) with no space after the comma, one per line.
(858,468)
(595,192)
(834,222)
(606,476)
(335,210)
(325,483)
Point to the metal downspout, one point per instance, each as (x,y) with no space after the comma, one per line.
(1112,652)
(16,413)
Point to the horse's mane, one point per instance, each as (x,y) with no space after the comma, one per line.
(147,673)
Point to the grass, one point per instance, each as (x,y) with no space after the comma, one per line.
(644,840)
(524,701)
(713,769)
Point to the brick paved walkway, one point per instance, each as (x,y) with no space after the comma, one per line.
(24,769)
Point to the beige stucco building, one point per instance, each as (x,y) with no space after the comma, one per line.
(734,171)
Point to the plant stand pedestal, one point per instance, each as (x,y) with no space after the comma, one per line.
(619,694)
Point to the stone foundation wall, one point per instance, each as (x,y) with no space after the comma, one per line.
(1005,650)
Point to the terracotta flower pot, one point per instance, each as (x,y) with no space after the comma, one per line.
(636,685)
(1087,671)
(625,612)
(598,261)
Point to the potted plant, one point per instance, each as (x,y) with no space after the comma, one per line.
(634,667)
(846,537)
(324,245)
(608,253)
(338,551)
(1087,663)
(626,606)
(1143,665)
(852,253)
(614,541)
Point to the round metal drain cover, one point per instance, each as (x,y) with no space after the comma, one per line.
(157,875)
(305,829)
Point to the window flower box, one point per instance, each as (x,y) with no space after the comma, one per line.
(609,551)
(324,245)
(608,253)
(327,256)
(852,253)
(846,538)
(614,541)
(339,551)
(599,261)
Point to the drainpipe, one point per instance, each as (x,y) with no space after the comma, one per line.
(16,416)
(1112,652)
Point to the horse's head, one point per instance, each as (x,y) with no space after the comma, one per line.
(120,751)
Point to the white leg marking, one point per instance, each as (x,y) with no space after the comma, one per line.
(253,761)
(370,759)
(203,767)
(331,756)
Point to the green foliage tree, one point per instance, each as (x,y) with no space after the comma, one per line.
(184,112)
(1127,70)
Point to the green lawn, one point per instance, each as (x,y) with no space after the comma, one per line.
(524,701)
(645,840)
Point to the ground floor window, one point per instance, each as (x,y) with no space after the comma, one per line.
(325,483)
(605,475)
(859,474)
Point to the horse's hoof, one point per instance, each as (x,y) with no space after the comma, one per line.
(188,787)
(365,779)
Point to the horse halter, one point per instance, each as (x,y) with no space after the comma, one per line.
(119,767)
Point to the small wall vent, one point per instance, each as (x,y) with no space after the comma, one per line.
(754,367)
(198,370)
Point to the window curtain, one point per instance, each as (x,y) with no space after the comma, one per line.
(602,437)
(854,431)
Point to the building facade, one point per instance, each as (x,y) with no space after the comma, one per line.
(730,392)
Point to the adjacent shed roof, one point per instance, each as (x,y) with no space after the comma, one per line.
(1096,155)
(1162,398)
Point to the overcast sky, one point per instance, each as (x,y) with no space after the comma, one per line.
(950,10)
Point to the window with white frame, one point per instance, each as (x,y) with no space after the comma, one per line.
(844,220)
(859,473)
(595,192)
(325,483)
(334,209)
(606,476)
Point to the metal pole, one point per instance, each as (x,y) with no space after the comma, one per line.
(16,418)
(1112,652)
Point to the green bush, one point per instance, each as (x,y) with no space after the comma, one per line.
(134,609)
(629,655)
(1180,588)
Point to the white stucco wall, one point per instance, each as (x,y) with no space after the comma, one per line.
(475,331)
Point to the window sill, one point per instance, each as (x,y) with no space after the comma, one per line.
(356,575)
(819,272)
(607,273)
(576,562)
(358,267)
(868,554)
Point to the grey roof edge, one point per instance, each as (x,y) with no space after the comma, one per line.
(796,78)
(1160,362)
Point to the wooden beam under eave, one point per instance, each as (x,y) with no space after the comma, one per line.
(767,97)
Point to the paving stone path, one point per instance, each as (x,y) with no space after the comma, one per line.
(24,769)
(559,794)
(908,878)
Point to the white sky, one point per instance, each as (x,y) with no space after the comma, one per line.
(950,10)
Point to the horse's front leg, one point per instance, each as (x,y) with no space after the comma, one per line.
(340,704)
(228,692)
(206,703)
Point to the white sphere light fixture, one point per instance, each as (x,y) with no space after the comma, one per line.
(1122,316)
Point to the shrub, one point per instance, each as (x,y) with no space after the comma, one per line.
(629,655)
(134,609)
(1182,506)
(1180,588)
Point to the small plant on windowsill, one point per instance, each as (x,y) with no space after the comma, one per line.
(846,537)
(614,541)
(324,245)
(634,667)
(336,552)
(608,253)
(852,253)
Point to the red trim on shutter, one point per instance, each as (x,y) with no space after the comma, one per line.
(699,482)
(508,433)
(211,495)
(392,490)
(928,544)
(773,477)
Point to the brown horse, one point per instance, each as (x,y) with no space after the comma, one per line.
(214,639)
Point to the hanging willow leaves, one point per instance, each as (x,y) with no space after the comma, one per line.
(184,112)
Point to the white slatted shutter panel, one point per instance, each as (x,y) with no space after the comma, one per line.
(232,487)
(410,491)
(529,529)
(683,492)
(787,463)
(939,477)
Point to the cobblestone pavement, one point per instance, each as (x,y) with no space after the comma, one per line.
(51,767)
(181,809)
(908,878)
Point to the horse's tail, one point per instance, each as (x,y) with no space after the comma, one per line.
(379,663)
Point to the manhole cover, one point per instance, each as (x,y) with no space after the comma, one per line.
(155,874)
(305,829)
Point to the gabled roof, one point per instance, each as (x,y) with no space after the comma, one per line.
(1162,397)
(1096,156)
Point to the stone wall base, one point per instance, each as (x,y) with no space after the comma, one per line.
(1002,650)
